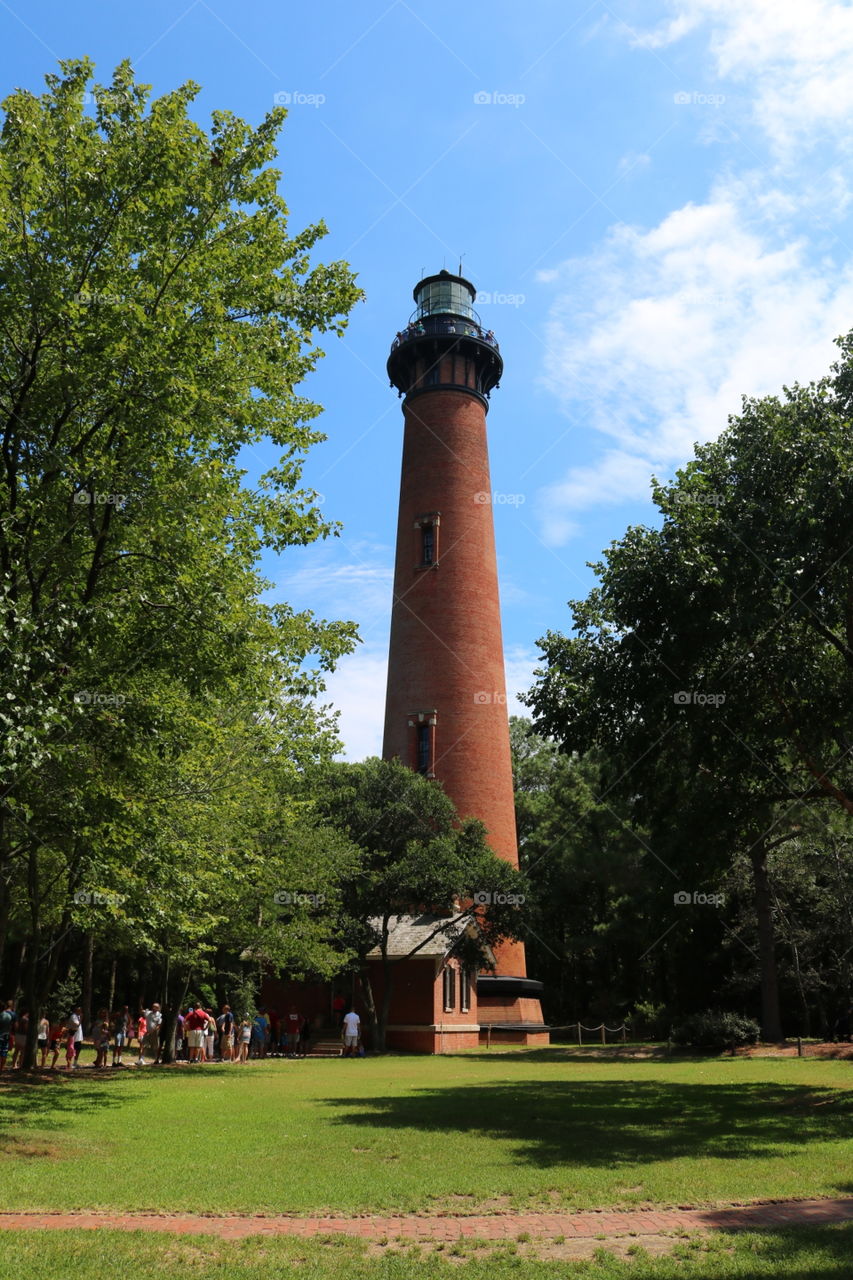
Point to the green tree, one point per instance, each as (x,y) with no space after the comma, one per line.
(156,317)
(713,661)
(412,856)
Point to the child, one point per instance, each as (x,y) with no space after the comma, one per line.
(70,1049)
(141,1032)
(245,1038)
(102,1042)
(56,1033)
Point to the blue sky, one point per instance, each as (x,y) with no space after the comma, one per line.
(654,198)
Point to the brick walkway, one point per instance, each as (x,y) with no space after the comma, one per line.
(573,1226)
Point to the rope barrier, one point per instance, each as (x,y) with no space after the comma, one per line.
(567,1026)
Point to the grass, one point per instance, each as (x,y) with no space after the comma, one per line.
(816,1254)
(452,1134)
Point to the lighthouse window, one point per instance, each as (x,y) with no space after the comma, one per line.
(465,990)
(424,749)
(426,548)
(449,989)
(427,544)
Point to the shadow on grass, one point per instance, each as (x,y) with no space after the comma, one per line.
(605,1124)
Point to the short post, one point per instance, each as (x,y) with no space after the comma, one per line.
(799,1046)
(603,1034)
(489,1037)
(580,1038)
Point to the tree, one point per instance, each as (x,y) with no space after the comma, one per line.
(156,317)
(412,855)
(713,661)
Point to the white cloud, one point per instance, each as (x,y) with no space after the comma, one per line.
(357,690)
(793,58)
(662,331)
(341,581)
(519,664)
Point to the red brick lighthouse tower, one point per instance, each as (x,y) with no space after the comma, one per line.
(445,712)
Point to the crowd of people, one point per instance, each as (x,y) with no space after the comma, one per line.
(200,1036)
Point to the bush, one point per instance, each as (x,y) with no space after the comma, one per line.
(648,1021)
(714,1030)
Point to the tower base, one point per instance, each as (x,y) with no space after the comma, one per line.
(509,1011)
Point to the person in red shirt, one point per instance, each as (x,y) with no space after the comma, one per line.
(294,1024)
(195,1025)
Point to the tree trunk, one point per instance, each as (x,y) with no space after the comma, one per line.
(171,1010)
(4,924)
(86,995)
(385,1006)
(370,1006)
(771,1019)
(112,994)
(32,1003)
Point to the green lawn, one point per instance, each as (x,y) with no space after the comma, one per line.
(795,1255)
(428,1134)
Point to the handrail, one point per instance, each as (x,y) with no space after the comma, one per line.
(425,328)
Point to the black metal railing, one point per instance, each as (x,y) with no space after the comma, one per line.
(444,325)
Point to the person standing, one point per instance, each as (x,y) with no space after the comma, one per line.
(352,1032)
(56,1032)
(101,1037)
(141,1033)
(225,1027)
(43,1039)
(74,1026)
(195,1024)
(293,1025)
(7,1030)
(121,1024)
(70,1048)
(210,1038)
(245,1038)
(180,1039)
(154,1020)
(20,1039)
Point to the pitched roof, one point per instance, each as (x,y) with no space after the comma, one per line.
(405,933)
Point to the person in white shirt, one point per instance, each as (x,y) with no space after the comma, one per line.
(352,1031)
(74,1027)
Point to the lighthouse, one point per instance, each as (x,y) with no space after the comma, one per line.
(445,710)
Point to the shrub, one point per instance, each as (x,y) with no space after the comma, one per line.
(648,1021)
(715,1030)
